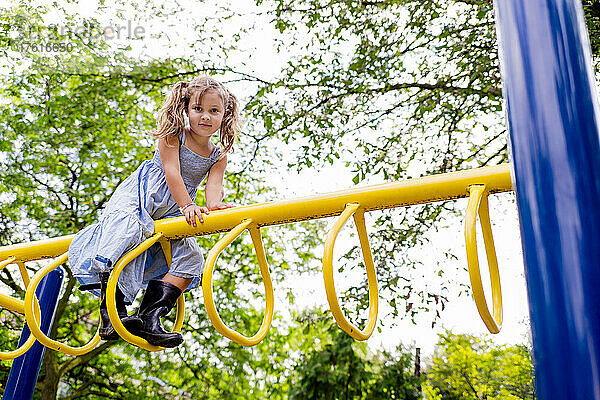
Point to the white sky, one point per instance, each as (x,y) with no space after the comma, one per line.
(261,59)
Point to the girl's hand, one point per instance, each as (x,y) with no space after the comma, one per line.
(220,206)
(192,211)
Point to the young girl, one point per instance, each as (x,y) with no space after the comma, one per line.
(163,187)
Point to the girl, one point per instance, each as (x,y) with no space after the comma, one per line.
(163,187)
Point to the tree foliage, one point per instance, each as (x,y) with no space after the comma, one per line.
(462,367)
(74,125)
(394,89)
(343,369)
(591,10)
(466,367)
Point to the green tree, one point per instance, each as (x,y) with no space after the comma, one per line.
(591,10)
(335,371)
(466,367)
(342,368)
(73,126)
(395,89)
(396,376)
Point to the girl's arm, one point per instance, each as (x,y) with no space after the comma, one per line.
(169,156)
(214,192)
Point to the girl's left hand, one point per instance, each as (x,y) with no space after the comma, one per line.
(193,211)
(220,206)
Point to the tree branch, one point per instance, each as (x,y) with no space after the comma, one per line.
(83,359)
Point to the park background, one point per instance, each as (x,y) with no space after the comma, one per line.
(335,94)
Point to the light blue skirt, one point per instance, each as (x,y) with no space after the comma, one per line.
(125,223)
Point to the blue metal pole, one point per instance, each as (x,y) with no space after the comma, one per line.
(553,123)
(25,369)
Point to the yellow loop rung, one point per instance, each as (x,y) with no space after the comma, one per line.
(33,322)
(478,204)
(9,302)
(359,221)
(24,273)
(9,260)
(111,290)
(18,306)
(207,291)
(9,355)
(165,244)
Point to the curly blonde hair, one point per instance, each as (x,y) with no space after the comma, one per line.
(170,121)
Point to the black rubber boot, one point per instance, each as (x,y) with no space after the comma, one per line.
(132,323)
(159,299)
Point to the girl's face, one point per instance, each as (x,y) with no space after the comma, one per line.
(206,113)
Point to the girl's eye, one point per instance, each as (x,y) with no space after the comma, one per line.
(197,108)
(215,110)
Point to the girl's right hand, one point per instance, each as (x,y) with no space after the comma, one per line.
(192,211)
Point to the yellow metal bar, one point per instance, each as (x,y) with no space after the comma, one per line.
(18,306)
(111,290)
(8,302)
(9,260)
(338,314)
(387,195)
(19,351)
(24,273)
(11,303)
(38,250)
(9,355)
(165,244)
(478,204)
(209,303)
(33,321)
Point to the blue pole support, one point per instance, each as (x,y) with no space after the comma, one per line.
(25,369)
(552,115)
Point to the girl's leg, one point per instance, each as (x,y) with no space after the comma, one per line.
(132,323)
(181,283)
(161,296)
(159,299)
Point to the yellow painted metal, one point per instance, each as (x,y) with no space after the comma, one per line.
(32,320)
(17,305)
(38,250)
(386,195)
(11,303)
(6,262)
(9,355)
(338,314)
(478,204)
(24,273)
(19,351)
(207,291)
(8,302)
(111,290)
(165,244)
